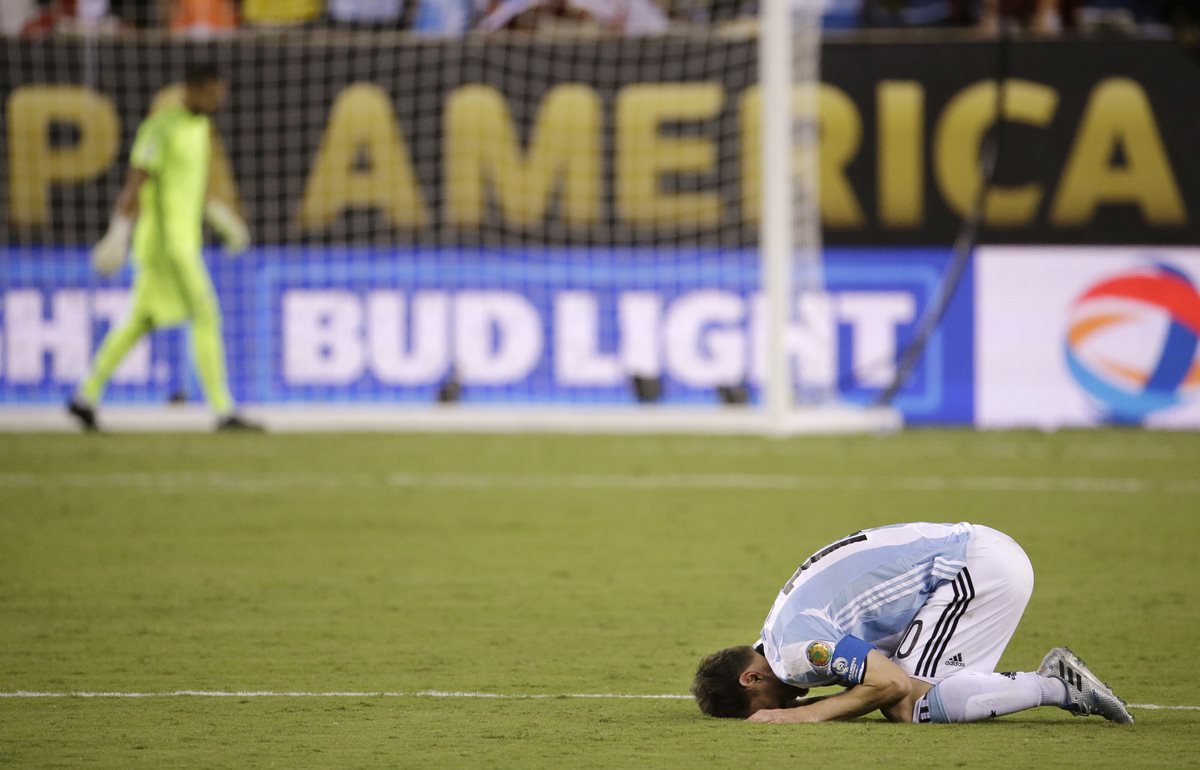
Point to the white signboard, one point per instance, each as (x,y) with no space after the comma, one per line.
(1083,336)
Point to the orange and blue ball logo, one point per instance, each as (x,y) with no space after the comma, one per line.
(1132,342)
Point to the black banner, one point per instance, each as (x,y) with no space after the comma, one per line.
(384,140)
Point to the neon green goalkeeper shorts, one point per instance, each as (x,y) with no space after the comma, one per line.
(170,291)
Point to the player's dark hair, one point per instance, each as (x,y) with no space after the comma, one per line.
(201,72)
(717,686)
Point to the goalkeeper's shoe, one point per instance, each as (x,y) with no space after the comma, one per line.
(85,413)
(235,423)
(1088,694)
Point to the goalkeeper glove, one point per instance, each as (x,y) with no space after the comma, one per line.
(109,254)
(233,231)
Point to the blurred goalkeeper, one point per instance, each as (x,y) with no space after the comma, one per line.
(163,206)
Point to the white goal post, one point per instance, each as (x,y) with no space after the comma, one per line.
(789,49)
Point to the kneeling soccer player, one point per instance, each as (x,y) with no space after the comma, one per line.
(911,619)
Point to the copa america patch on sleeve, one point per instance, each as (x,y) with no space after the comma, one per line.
(818,655)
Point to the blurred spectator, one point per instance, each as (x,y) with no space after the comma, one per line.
(842,14)
(281,13)
(733,15)
(1183,17)
(913,13)
(627,17)
(377,14)
(1128,16)
(71,16)
(445,18)
(142,14)
(202,18)
(531,15)
(91,12)
(721,11)
(1045,17)
(14,14)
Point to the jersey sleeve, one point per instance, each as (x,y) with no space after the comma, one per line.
(807,663)
(147,150)
(821,662)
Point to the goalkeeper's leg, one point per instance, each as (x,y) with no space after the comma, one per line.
(208,355)
(117,344)
(208,347)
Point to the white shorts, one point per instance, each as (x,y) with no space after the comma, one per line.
(966,623)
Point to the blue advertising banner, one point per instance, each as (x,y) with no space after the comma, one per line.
(536,325)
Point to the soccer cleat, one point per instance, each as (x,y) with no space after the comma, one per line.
(235,423)
(83,411)
(1088,694)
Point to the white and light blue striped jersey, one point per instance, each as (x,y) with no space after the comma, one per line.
(869,585)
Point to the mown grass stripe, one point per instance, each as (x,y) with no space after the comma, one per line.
(413,694)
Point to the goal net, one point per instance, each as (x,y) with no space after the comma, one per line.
(558,221)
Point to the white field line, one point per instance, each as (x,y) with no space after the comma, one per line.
(1157,707)
(1147,447)
(250,481)
(415,694)
(776,482)
(344,694)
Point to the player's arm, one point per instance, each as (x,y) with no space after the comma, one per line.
(878,683)
(221,215)
(109,253)
(808,701)
(883,685)
(229,225)
(127,200)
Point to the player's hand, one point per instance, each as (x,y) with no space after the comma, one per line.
(232,229)
(782,716)
(109,254)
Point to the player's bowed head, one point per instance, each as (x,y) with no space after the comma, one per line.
(738,681)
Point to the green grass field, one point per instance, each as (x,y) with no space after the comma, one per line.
(548,566)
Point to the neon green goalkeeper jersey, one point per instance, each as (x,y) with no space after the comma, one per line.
(172,146)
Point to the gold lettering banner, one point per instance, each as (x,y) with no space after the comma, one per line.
(621,142)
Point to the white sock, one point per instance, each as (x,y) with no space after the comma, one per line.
(971,696)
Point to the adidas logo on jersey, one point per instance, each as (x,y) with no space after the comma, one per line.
(955,660)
